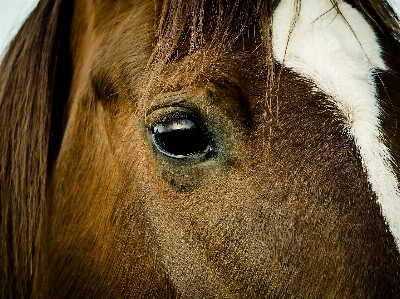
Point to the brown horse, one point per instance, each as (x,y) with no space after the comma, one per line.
(201,149)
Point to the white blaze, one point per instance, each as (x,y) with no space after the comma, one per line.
(341,58)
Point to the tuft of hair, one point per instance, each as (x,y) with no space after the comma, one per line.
(207,30)
(189,25)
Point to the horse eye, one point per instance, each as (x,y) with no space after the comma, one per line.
(180,138)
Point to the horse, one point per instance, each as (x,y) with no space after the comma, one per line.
(201,149)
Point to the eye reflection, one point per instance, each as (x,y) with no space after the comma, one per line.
(180,138)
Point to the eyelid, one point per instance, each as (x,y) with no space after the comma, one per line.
(172,113)
(172,100)
(181,123)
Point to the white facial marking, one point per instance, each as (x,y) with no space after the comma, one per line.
(341,61)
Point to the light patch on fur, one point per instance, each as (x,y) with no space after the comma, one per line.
(340,55)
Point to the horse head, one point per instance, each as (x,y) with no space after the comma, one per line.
(201,149)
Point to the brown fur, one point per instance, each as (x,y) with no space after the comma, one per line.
(90,210)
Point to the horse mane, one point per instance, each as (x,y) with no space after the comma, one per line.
(28,85)
(34,84)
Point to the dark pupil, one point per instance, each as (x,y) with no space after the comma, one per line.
(180,138)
